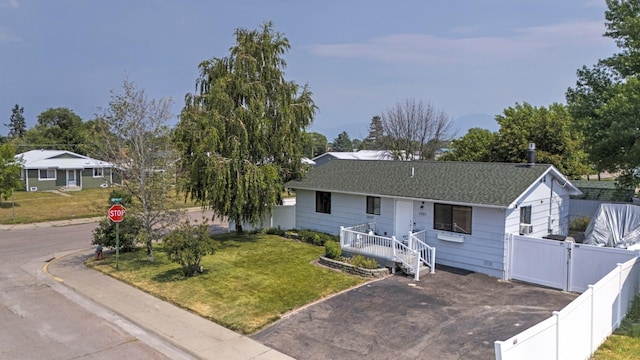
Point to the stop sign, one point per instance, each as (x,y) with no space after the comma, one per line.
(116,213)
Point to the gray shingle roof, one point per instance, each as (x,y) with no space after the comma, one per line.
(494,184)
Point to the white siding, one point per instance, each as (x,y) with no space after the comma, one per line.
(346,210)
(482,251)
(549,202)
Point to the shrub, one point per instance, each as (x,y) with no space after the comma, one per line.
(274,231)
(364,262)
(332,249)
(315,237)
(129,228)
(579,224)
(187,245)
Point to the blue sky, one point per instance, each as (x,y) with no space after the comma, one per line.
(468,58)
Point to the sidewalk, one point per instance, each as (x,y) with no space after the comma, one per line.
(5,227)
(192,333)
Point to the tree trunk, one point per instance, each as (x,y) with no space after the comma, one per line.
(150,251)
(238,228)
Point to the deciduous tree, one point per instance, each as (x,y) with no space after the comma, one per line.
(9,170)
(475,145)
(551,129)
(240,136)
(137,142)
(58,129)
(415,129)
(604,101)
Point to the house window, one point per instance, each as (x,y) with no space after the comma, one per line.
(323,202)
(452,218)
(98,172)
(47,174)
(525,220)
(373,205)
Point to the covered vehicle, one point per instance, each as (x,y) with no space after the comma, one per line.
(614,225)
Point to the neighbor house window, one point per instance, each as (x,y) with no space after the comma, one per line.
(97,172)
(47,174)
(373,205)
(454,218)
(525,220)
(323,202)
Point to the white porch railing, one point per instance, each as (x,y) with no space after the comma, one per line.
(417,241)
(362,239)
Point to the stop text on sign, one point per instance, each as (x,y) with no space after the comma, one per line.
(116,213)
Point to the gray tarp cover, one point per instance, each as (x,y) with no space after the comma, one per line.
(614,225)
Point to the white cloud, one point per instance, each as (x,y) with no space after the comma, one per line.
(424,48)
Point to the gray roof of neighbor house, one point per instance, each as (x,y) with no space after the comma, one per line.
(490,184)
(58,159)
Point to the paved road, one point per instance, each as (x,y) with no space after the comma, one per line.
(39,322)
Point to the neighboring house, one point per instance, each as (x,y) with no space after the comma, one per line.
(465,210)
(353,155)
(55,169)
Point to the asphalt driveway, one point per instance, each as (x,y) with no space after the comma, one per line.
(451,314)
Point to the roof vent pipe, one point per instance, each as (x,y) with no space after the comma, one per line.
(531,155)
(413,171)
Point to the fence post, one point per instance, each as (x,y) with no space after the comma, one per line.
(341,236)
(393,253)
(592,288)
(416,255)
(433,260)
(619,297)
(556,315)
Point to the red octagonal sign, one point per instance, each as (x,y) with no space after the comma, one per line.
(116,213)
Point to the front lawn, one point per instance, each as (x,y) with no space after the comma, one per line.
(37,206)
(247,284)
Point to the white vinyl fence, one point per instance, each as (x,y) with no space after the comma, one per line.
(283,217)
(576,331)
(562,265)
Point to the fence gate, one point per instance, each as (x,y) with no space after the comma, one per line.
(562,264)
(540,261)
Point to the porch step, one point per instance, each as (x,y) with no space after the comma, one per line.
(407,270)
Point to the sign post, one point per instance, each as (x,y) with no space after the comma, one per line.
(116,214)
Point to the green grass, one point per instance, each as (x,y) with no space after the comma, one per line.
(250,282)
(30,207)
(625,342)
(40,206)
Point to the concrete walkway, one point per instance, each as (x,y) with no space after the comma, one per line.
(192,333)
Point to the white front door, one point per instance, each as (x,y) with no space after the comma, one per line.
(71,178)
(403,218)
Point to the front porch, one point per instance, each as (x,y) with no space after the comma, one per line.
(409,253)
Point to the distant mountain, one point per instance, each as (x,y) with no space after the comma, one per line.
(465,122)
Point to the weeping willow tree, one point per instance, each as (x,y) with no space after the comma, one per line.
(241,134)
